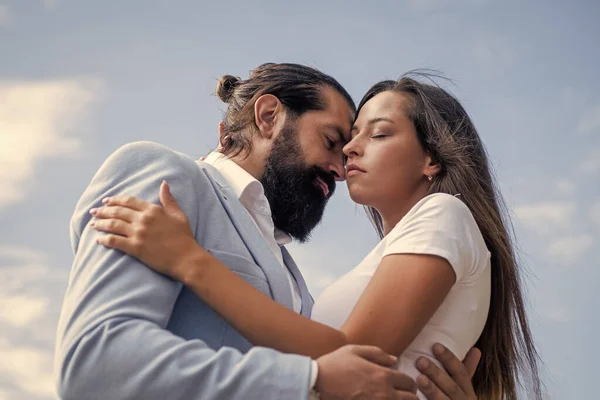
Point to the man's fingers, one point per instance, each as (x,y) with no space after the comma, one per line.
(439,378)
(406,396)
(375,355)
(471,361)
(429,389)
(403,382)
(454,367)
(127,201)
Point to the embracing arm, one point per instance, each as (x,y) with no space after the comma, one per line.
(111,339)
(401,297)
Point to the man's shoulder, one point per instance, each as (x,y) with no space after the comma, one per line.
(149,158)
(148,153)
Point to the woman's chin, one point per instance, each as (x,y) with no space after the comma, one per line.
(358,195)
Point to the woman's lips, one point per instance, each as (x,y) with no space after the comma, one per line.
(354,172)
(352,169)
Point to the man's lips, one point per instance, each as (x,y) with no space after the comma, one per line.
(321,184)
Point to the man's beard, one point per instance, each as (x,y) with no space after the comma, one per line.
(297,204)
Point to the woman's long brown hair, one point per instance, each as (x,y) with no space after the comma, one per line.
(445,130)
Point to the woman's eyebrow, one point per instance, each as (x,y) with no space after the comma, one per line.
(373,121)
(379,119)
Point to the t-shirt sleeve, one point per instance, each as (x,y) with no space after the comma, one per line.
(443,226)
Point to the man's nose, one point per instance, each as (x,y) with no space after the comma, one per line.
(337,169)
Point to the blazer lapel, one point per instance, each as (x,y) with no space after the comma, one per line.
(251,237)
(307,300)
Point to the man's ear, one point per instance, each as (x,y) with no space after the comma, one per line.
(223,137)
(267,109)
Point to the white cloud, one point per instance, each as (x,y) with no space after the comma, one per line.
(20,311)
(568,249)
(21,253)
(5,15)
(541,216)
(30,301)
(29,368)
(35,119)
(21,266)
(590,121)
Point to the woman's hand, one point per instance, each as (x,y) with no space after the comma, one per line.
(160,237)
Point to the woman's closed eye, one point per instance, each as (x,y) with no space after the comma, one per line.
(379,136)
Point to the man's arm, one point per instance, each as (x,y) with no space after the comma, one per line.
(111,341)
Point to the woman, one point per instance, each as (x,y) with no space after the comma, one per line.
(445,270)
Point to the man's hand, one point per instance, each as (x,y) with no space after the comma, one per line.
(452,384)
(362,372)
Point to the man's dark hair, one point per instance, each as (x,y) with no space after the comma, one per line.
(298,87)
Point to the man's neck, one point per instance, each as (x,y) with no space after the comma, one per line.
(250,163)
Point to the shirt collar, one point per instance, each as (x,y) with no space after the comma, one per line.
(249,190)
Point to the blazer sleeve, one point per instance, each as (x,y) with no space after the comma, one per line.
(111,339)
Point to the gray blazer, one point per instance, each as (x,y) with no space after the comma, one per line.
(126,332)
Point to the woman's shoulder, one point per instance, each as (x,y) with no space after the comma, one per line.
(441,215)
(441,206)
(442,200)
(442,225)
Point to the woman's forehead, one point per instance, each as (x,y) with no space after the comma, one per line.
(383,106)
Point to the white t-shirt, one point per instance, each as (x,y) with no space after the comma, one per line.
(440,225)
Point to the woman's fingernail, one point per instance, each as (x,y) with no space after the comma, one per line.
(93,211)
(105,200)
(93,223)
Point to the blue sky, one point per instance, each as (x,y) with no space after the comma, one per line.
(79,79)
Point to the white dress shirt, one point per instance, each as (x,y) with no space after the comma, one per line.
(251,194)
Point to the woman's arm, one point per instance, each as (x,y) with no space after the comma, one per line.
(260,319)
(400,298)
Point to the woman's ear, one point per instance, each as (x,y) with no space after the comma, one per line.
(267,109)
(432,167)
